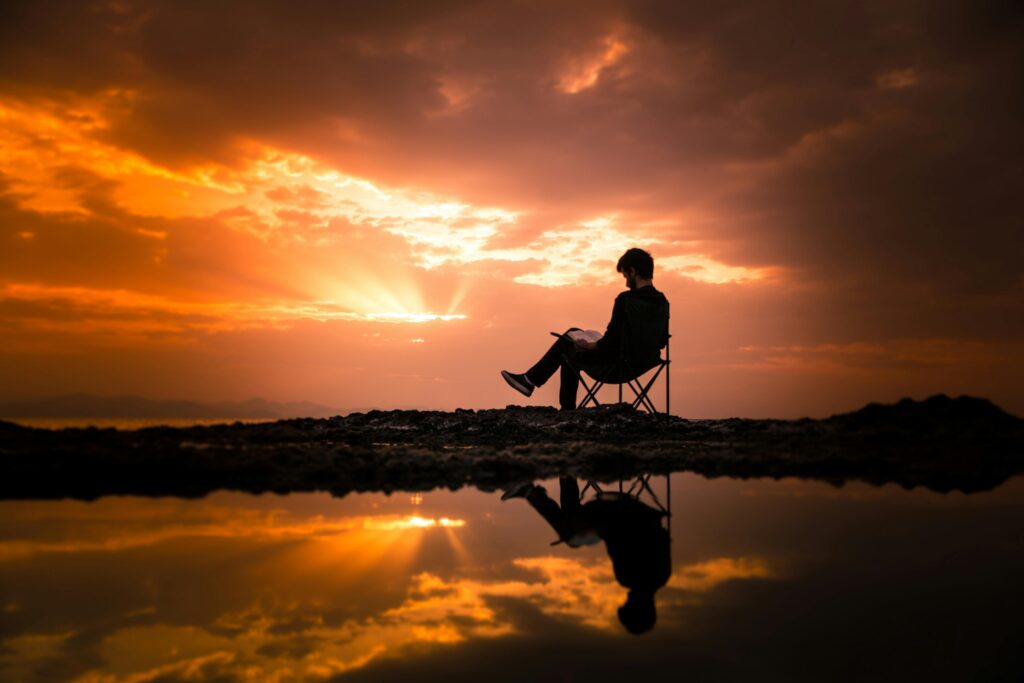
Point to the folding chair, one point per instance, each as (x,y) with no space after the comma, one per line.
(646,323)
(637,488)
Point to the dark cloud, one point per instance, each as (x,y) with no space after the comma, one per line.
(69,248)
(869,149)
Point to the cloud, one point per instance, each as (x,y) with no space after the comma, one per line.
(706,105)
(856,163)
(297,640)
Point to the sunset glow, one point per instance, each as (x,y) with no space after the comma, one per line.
(321,326)
(322,560)
(416,522)
(289,207)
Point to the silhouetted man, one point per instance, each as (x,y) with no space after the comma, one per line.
(604,358)
(637,543)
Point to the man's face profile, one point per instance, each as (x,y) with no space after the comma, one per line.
(630,275)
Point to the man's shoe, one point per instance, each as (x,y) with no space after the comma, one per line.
(518,382)
(520,491)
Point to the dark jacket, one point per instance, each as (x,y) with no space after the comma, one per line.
(637,543)
(641,353)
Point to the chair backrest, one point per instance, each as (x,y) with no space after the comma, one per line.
(645,332)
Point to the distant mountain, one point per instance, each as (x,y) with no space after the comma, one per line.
(90,406)
(937,414)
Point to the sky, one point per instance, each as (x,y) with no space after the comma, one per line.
(382,205)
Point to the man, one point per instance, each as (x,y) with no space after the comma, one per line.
(631,345)
(637,543)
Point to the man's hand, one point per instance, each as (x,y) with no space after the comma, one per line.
(586,345)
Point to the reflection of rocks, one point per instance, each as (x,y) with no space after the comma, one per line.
(966,444)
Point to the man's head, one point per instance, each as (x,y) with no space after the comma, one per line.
(635,264)
(638,614)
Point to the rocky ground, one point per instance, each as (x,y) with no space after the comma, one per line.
(945,444)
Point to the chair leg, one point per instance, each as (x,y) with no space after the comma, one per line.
(642,399)
(647,390)
(653,495)
(637,400)
(642,391)
(668,378)
(668,373)
(633,485)
(647,398)
(591,394)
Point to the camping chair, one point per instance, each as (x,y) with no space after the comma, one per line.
(646,324)
(637,488)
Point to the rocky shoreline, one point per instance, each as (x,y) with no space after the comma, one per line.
(944,444)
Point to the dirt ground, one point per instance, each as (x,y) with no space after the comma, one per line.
(945,444)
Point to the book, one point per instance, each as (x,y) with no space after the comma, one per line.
(585,335)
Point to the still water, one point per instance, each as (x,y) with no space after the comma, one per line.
(770,580)
(128,423)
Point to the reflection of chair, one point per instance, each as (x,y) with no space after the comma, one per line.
(637,488)
(644,334)
(638,544)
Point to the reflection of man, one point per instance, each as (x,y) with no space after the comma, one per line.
(637,543)
(598,358)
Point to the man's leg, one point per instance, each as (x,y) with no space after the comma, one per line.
(541,372)
(549,510)
(582,361)
(570,383)
(575,527)
(569,494)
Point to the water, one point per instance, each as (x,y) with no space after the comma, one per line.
(129,422)
(787,580)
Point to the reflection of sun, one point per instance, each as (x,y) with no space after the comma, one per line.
(413,522)
(378,544)
(345,585)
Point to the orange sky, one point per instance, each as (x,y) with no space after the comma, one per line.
(384,206)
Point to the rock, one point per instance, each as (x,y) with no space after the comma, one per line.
(965,443)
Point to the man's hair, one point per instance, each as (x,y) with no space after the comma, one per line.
(639,260)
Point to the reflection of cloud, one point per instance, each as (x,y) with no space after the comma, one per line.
(20,655)
(704,576)
(289,640)
(443,611)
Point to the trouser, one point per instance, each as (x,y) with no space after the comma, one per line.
(554,359)
(566,520)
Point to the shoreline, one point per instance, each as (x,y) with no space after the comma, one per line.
(943,444)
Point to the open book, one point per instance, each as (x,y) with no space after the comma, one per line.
(585,335)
